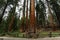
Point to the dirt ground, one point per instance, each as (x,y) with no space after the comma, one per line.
(10,38)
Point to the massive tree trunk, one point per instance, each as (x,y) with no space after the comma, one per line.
(51,20)
(22,28)
(32,16)
(31,30)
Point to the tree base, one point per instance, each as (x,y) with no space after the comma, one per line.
(31,35)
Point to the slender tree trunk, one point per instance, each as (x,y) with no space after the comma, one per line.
(11,23)
(27,16)
(13,18)
(22,28)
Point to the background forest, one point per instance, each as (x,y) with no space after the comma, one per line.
(20,18)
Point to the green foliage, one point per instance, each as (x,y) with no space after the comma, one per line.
(2,2)
(56,8)
(15,34)
(40,15)
(40,8)
(4,26)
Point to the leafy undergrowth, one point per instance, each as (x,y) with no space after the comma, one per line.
(49,34)
(41,34)
(12,34)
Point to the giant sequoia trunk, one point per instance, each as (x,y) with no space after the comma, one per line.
(31,30)
(32,16)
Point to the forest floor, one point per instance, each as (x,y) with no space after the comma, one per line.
(41,34)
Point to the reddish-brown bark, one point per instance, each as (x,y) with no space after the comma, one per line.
(11,23)
(32,16)
(22,27)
